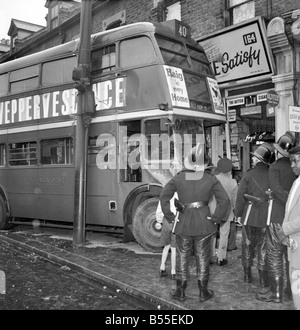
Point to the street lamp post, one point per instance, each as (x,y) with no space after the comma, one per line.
(85,110)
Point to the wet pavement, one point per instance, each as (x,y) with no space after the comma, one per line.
(128,267)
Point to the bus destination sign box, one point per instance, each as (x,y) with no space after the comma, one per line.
(180,29)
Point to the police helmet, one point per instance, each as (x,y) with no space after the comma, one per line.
(265,153)
(285,143)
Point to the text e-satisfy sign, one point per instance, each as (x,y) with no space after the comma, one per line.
(239,53)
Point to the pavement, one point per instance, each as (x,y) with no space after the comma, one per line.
(127,267)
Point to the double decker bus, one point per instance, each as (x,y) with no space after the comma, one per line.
(150,81)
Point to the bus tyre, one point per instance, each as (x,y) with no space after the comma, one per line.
(3,215)
(144,226)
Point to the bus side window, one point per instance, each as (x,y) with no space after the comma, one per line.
(23,153)
(136,52)
(58,72)
(3,84)
(104,59)
(57,151)
(2,155)
(130,171)
(24,79)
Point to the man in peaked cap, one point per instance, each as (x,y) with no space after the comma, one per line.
(252,209)
(196,224)
(281,179)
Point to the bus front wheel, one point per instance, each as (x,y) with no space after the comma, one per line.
(3,215)
(145,228)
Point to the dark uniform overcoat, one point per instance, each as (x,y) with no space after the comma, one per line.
(255,182)
(281,179)
(191,187)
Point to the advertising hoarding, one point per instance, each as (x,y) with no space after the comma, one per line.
(240,53)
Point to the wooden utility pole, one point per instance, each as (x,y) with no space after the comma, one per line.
(85,110)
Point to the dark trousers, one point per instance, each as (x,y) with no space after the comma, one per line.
(232,237)
(254,241)
(201,245)
(276,252)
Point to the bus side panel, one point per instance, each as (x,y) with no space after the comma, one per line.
(101,189)
(42,193)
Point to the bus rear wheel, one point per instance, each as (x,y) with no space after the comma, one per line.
(3,215)
(145,229)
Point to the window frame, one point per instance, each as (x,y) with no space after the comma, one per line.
(31,161)
(105,50)
(54,16)
(3,154)
(58,61)
(68,151)
(27,76)
(230,9)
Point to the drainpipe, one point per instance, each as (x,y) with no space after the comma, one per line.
(86,108)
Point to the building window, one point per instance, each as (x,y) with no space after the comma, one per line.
(174,12)
(240,10)
(53,13)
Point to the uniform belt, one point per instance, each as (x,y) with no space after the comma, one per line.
(195,205)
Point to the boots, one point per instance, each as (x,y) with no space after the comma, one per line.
(178,293)
(247,275)
(264,282)
(288,291)
(275,294)
(205,293)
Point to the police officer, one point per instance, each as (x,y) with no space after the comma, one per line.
(196,224)
(281,180)
(252,211)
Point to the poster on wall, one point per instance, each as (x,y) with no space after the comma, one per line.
(294,118)
(216,96)
(239,53)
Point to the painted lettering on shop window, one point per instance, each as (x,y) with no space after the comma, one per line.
(239,59)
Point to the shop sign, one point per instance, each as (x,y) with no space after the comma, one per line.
(231,115)
(294,118)
(239,53)
(262,97)
(270,111)
(234,102)
(273,98)
(251,111)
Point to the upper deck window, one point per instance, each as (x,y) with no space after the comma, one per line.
(3,84)
(136,52)
(199,60)
(24,79)
(58,72)
(173,52)
(104,59)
